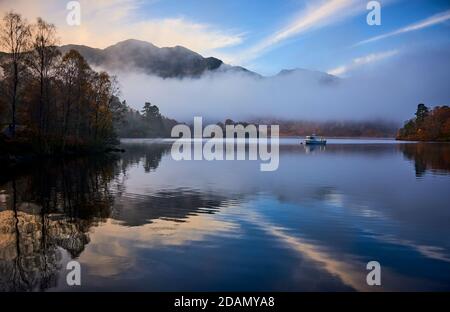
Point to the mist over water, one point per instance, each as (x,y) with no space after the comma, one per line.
(389,90)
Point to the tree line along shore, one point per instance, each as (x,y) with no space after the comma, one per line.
(53,103)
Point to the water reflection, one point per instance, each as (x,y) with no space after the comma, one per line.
(149,154)
(314,148)
(433,157)
(46,215)
(145,219)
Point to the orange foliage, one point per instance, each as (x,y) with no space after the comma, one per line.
(434,127)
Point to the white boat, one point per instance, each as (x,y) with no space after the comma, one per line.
(315,140)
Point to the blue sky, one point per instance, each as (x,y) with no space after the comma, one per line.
(319,49)
(387,69)
(262,35)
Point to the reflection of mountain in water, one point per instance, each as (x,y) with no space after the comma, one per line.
(177,205)
(428,156)
(46,213)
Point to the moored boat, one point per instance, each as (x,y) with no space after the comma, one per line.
(315,140)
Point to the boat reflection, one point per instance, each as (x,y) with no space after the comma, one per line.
(314,148)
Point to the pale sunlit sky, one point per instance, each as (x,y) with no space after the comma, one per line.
(265,36)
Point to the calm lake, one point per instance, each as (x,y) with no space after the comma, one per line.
(141,221)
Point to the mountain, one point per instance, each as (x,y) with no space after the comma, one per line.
(135,55)
(174,62)
(321,77)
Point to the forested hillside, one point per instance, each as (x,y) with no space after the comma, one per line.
(428,125)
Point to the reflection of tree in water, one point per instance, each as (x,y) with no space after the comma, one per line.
(150,154)
(428,156)
(48,213)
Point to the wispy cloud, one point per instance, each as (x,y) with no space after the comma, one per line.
(360,61)
(314,16)
(428,22)
(105,22)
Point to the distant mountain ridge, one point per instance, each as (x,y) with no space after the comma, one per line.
(136,55)
(174,62)
(319,76)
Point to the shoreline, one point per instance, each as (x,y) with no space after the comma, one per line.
(12,159)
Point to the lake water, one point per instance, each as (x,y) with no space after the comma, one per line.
(142,221)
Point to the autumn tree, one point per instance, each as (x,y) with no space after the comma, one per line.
(421,113)
(150,111)
(87,104)
(153,119)
(66,105)
(72,78)
(146,123)
(104,90)
(429,125)
(42,61)
(14,39)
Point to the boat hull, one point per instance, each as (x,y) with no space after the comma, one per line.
(315,142)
